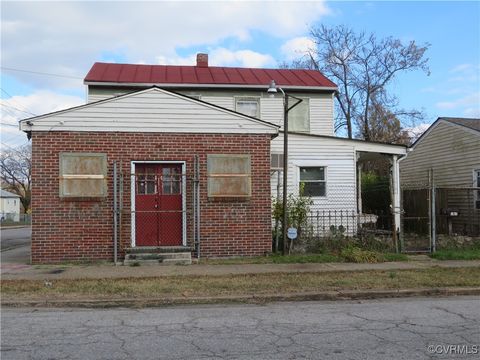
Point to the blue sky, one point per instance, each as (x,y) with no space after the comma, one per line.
(66,38)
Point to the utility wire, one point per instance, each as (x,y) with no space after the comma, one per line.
(15,108)
(40,73)
(15,103)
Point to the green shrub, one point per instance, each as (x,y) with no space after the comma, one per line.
(356,255)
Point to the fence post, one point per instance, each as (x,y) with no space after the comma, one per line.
(115,212)
(434,218)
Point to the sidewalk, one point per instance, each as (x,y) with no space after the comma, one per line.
(57,272)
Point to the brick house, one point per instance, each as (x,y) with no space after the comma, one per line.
(153,136)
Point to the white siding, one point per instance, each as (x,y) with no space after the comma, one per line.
(152,110)
(339,160)
(321,115)
(271,110)
(223,101)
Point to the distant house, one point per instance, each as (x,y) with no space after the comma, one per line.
(448,156)
(9,206)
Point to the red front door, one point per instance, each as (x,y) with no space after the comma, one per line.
(158,205)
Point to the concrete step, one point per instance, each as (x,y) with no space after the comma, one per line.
(157,249)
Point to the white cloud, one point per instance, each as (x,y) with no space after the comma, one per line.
(16,108)
(297,47)
(469,100)
(243,58)
(67,37)
(417,131)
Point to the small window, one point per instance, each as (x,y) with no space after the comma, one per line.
(248,105)
(276,162)
(299,116)
(313,181)
(171,181)
(147,182)
(229,176)
(476,183)
(83,175)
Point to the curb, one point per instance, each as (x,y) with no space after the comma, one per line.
(255,299)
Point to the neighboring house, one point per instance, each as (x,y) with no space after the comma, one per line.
(447,156)
(9,206)
(221,115)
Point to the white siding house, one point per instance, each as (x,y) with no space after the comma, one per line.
(9,206)
(312,144)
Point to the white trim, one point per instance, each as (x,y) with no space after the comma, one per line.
(184,196)
(207,86)
(311,163)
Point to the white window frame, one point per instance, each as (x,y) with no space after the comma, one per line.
(325,171)
(280,166)
(132,197)
(248,98)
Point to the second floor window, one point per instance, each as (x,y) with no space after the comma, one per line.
(248,105)
(299,117)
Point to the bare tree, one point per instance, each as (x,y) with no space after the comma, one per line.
(16,170)
(362,66)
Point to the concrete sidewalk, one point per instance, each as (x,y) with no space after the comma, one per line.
(56,272)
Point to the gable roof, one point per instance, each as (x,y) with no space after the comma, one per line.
(469,124)
(123,113)
(8,194)
(210,76)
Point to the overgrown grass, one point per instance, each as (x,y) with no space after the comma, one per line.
(457,254)
(276,259)
(271,283)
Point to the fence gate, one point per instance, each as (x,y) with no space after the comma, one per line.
(415,220)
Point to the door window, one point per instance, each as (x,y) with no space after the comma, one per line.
(171,181)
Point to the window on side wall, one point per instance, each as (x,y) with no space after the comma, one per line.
(313,181)
(229,176)
(248,105)
(276,161)
(83,175)
(476,183)
(299,116)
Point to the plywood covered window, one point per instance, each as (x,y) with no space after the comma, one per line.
(248,105)
(229,176)
(83,175)
(299,116)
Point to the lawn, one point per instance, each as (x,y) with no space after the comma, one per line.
(457,254)
(236,285)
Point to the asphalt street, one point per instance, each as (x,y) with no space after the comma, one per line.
(15,245)
(414,328)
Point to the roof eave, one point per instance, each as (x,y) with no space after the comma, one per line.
(212,86)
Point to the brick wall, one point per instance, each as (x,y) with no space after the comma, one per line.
(67,230)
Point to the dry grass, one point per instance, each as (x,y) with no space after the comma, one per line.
(193,286)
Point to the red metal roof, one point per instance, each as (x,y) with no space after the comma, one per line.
(211,75)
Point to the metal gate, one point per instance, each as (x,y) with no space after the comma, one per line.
(162,207)
(416,226)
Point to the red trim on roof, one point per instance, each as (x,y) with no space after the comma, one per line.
(212,75)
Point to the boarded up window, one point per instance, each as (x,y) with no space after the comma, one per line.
(229,176)
(299,116)
(83,175)
(248,105)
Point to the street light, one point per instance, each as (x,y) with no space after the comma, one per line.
(273,89)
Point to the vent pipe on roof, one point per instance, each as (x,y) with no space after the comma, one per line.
(202,60)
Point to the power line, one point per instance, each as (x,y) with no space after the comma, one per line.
(10,100)
(15,108)
(5,124)
(40,73)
